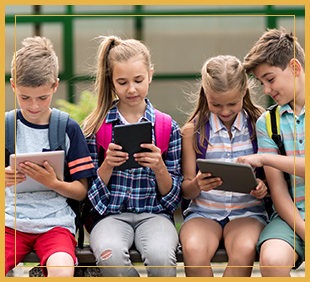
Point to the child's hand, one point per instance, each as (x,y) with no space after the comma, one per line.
(151,159)
(44,175)
(260,191)
(10,177)
(254,160)
(114,156)
(205,183)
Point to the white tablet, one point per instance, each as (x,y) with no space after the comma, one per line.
(55,159)
(236,177)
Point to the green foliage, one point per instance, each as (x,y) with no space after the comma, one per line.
(82,109)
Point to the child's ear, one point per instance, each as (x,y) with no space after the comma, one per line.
(12,84)
(151,75)
(56,85)
(295,64)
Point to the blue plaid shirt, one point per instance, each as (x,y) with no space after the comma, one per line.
(135,190)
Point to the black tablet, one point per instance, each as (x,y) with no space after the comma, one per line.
(130,136)
(236,177)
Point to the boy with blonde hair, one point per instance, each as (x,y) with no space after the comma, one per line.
(42,221)
(278,61)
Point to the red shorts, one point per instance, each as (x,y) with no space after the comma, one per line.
(56,240)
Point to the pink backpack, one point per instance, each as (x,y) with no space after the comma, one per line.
(162,133)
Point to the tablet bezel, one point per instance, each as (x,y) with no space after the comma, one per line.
(55,159)
(130,136)
(241,175)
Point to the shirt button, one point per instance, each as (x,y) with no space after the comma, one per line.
(298,121)
(130,171)
(128,191)
(300,141)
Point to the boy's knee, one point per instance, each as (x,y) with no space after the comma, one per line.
(60,271)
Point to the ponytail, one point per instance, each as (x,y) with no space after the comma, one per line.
(103,87)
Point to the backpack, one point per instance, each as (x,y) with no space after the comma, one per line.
(273,129)
(57,138)
(56,132)
(162,133)
(104,138)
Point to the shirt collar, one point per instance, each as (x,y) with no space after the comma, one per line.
(287,109)
(114,115)
(217,125)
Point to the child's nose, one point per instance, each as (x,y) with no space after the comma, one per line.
(132,88)
(225,111)
(34,104)
(267,89)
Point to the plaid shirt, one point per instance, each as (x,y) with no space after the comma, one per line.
(135,190)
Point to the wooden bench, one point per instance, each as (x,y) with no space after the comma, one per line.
(87,261)
(85,256)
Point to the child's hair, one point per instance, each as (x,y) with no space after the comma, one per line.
(36,63)
(276,48)
(220,75)
(112,50)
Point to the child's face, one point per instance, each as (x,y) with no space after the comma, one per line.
(35,102)
(225,105)
(131,81)
(277,83)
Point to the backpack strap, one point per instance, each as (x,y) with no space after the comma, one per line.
(162,131)
(273,129)
(10,131)
(57,129)
(104,136)
(9,135)
(203,149)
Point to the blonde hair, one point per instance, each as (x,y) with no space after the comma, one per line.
(36,63)
(276,48)
(111,50)
(221,74)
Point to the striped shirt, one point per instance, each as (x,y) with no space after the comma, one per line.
(267,145)
(217,204)
(135,190)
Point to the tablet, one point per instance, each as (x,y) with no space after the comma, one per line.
(236,177)
(55,159)
(130,136)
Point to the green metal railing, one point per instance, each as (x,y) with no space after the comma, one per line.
(138,14)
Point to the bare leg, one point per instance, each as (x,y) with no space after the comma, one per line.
(276,252)
(240,237)
(64,262)
(200,239)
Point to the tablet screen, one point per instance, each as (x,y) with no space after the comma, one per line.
(130,136)
(55,159)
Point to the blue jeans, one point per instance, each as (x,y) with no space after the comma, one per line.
(153,235)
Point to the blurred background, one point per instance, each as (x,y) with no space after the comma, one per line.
(180,37)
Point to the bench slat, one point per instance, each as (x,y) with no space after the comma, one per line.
(85,256)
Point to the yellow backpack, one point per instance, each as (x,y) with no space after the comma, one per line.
(273,129)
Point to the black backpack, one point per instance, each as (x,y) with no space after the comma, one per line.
(57,137)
